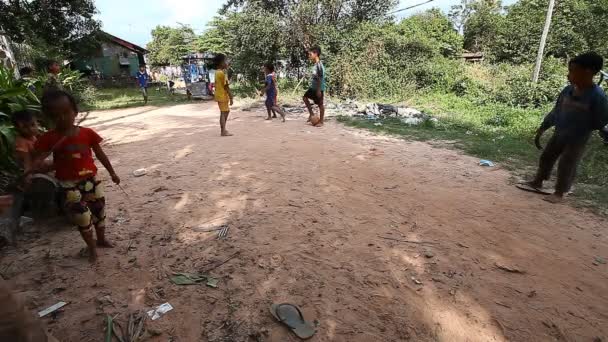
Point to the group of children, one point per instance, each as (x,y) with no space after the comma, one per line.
(315,93)
(581,108)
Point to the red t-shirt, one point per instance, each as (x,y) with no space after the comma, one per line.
(72,156)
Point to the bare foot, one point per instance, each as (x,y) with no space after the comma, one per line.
(533,184)
(104,244)
(555,198)
(320,124)
(226,134)
(283,118)
(268,118)
(309,119)
(92,256)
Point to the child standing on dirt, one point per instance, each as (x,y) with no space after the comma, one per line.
(271,91)
(72,148)
(581,108)
(316,91)
(142,80)
(223,96)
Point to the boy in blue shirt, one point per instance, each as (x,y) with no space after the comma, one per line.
(142,80)
(272,92)
(581,108)
(316,92)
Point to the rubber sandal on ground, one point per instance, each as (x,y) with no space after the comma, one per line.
(291,316)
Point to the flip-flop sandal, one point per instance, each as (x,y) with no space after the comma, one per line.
(529,188)
(291,316)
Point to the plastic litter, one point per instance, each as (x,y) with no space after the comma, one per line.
(51,309)
(487,163)
(140,172)
(160,311)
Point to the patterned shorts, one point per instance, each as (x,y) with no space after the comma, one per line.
(84,203)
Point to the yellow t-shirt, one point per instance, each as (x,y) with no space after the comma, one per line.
(220,91)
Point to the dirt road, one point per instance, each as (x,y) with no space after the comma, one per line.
(319,218)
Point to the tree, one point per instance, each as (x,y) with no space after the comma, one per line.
(214,39)
(62,27)
(169,44)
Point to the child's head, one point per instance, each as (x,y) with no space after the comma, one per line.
(61,107)
(220,61)
(314,53)
(53,67)
(268,68)
(583,68)
(142,68)
(25,123)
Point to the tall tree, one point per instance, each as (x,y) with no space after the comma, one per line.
(61,26)
(170,44)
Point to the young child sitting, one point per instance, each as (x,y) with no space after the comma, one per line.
(581,108)
(72,147)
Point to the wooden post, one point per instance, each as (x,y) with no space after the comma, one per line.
(543,42)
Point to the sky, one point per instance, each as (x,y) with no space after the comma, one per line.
(134,20)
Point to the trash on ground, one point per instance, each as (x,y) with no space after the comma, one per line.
(51,309)
(140,172)
(429,254)
(487,163)
(291,316)
(599,261)
(510,269)
(193,279)
(160,311)
(209,229)
(416,281)
(223,233)
(378,124)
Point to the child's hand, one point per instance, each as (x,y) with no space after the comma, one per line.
(115,179)
(231,101)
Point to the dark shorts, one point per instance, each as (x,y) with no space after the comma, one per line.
(312,94)
(271,100)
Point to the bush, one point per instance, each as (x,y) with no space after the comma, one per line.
(74,82)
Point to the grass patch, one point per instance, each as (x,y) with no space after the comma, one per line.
(499,133)
(115,98)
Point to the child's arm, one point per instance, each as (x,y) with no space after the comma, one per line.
(227,87)
(103,158)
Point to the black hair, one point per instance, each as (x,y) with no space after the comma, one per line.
(50,63)
(23,116)
(51,96)
(269,66)
(219,59)
(316,49)
(25,71)
(590,61)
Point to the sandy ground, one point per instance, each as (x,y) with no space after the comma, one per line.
(315,215)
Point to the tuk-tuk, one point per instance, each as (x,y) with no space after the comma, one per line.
(196,75)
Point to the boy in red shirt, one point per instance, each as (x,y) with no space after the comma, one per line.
(72,147)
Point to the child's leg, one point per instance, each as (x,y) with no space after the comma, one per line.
(309,107)
(321,111)
(79,213)
(269,110)
(274,113)
(278,109)
(566,169)
(223,120)
(96,202)
(547,161)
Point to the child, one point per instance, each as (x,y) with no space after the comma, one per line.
(27,132)
(52,82)
(75,169)
(223,96)
(142,80)
(316,91)
(581,108)
(271,92)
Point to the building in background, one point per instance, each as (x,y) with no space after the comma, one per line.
(115,58)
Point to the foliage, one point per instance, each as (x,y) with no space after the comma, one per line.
(170,44)
(60,27)
(72,81)
(214,38)
(114,98)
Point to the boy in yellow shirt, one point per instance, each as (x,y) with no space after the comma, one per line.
(223,96)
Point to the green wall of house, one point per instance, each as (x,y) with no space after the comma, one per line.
(108,66)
